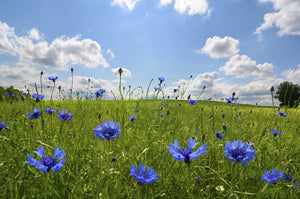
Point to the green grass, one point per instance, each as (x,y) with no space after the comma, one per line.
(89,171)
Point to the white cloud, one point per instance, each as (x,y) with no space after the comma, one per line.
(286,17)
(111,53)
(205,79)
(81,83)
(189,7)
(129,4)
(242,66)
(24,74)
(7,43)
(165,2)
(34,34)
(125,72)
(61,52)
(217,47)
(292,75)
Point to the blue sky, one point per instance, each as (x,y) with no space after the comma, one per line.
(228,46)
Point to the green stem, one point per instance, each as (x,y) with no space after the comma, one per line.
(45,185)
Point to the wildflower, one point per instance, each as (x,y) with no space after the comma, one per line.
(196,130)
(144,176)
(53,78)
(132,118)
(198,179)
(37,113)
(50,111)
(114,159)
(276,132)
(6,94)
(237,151)
(220,188)
(228,100)
(272,177)
(108,130)
(161,115)
(13,95)
(186,155)
(38,97)
(288,177)
(175,90)
(161,79)
(192,102)
(3,125)
(295,186)
(65,115)
(282,114)
(100,92)
(156,89)
(48,163)
(219,135)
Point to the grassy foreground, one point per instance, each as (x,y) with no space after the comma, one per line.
(89,171)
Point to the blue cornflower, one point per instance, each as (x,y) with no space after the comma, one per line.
(156,89)
(13,95)
(161,79)
(40,97)
(161,115)
(288,177)
(6,94)
(37,113)
(108,130)
(53,78)
(276,132)
(237,151)
(100,92)
(192,102)
(175,90)
(295,186)
(198,179)
(3,125)
(144,176)
(65,115)
(48,163)
(219,135)
(186,155)
(282,114)
(229,100)
(272,177)
(132,118)
(50,111)
(196,130)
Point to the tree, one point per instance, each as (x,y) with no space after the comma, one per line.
(288,94)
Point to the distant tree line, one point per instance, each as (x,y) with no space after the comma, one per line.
(288,94)
(10,93)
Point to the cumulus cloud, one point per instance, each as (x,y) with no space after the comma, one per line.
(205,79)
(292,75)
(286,17)
(165,2)
(217,47)
(189,7)
(129,4)
(242,66)
(63,51)
(125,72)
(22,74)
(81,83)
(112,55)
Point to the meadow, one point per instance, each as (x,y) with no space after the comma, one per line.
(97,168)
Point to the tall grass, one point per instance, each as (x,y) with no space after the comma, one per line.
(89,171)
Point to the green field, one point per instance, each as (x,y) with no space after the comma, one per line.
(89,171)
